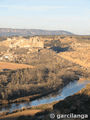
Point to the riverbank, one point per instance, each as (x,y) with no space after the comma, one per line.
(30,100)
(33,97)
(80,99)
(27,111)
(48,105)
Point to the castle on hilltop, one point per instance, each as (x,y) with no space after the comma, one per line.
(32,42)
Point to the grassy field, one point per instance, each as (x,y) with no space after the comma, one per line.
(13,66)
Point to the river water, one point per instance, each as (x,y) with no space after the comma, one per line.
(70,89)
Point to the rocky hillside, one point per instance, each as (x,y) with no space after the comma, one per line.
(30,32)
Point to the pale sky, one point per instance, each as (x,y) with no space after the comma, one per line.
(70,15)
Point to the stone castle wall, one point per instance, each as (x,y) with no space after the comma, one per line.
(32,42)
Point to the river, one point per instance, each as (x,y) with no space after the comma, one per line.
(70,89)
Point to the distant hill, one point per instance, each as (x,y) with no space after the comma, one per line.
(30,32)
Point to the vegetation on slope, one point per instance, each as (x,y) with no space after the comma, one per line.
(46,77)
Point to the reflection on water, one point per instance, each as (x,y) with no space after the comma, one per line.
(70,89)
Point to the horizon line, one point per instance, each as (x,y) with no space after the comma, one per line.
(43,30)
